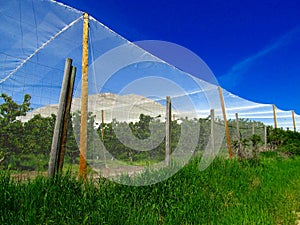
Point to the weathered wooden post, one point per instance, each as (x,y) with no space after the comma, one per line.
(266,137)
(238,135)
(102,134)
(237,127)
(168,130)
(57,134)
(294,121)
(212,127)
(274,114)
(61,155)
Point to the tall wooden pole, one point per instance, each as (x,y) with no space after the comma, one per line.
(84,98)
(61,155)
(102,134)
(294,121)
(56,139)
(274,113)
(238,134)
(212,132)
(266,137)
(102,124)
(168,130)
(226,123)
(237,127)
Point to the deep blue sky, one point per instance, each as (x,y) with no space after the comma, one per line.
(253,47)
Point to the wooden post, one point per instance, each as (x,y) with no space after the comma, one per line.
(294,121)
(212,136)
(253,128)
(237,127)
(238,134)
(274,113)
(61,156)
(102,124)
(102,134)
(84,99)
(168,130)
(56,139)
(226,123)
(266,138)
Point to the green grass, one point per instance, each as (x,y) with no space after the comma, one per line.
(265,191)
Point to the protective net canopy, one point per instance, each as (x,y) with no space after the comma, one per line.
(128,88)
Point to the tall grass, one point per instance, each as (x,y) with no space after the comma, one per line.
(228,192)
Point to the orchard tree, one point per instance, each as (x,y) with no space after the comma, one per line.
(10,110)
(38,133)
(11,131)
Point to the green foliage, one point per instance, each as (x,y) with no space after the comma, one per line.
(34,137)
(26,146)
(11,133)
(256,191)
(36,131)
(141,130)
(10,110)
(227,192)
(248,147)
(287,142)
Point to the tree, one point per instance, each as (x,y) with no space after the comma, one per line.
(10,110)
(11,132)
(37,134)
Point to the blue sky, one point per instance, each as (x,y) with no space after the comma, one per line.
(252,47)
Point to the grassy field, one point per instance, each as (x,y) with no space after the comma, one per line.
(265,191)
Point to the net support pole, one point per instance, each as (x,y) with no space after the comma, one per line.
(294,121)
(102,124)
(61,155)
(274,114)
(237,127)
(57,133)
(238,134)
(226,123)
(212,132)
(168,130)
(266,137)
(102,135)
(84,99)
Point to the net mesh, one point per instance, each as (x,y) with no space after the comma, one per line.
(127,96)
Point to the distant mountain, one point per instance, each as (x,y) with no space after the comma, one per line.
(122,108)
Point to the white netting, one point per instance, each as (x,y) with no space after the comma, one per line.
(126,83)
